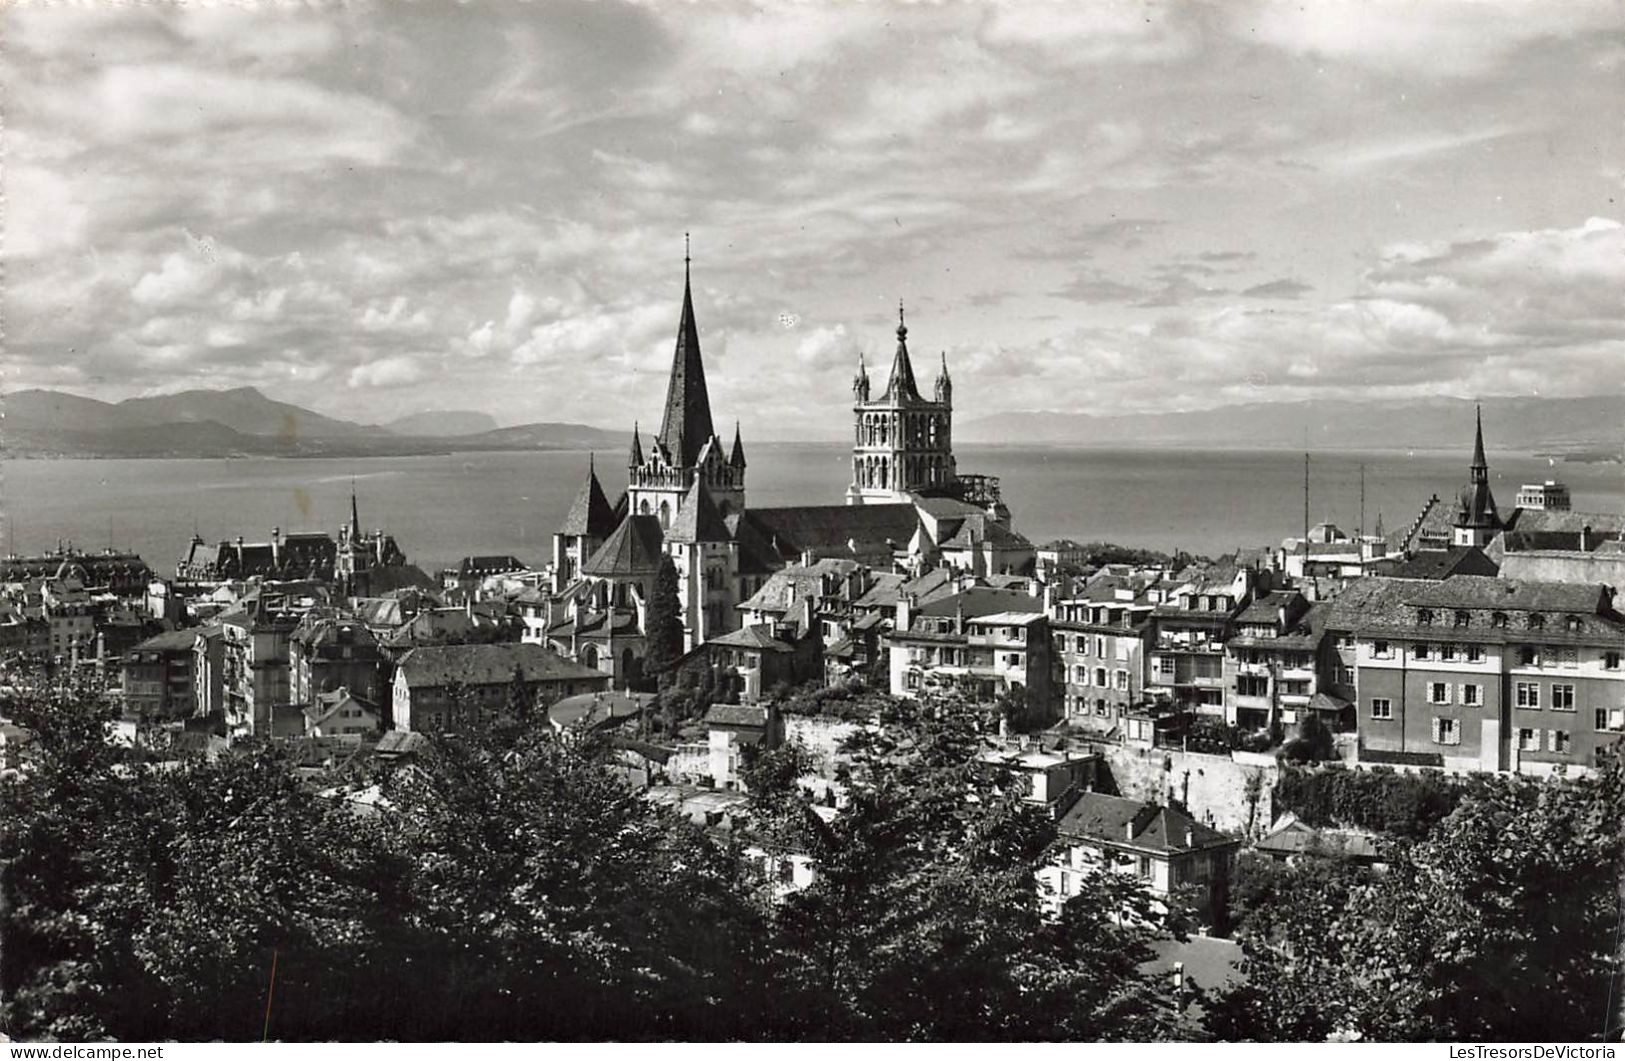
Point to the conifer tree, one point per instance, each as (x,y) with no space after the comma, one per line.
(665,624)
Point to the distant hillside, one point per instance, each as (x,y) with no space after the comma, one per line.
(245,423)
(544,436)
(1556,425)
(437,423)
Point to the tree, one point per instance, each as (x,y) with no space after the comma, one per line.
(665,619)
(1498,925)
(925,918)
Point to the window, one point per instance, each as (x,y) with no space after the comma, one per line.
(1559,741)
(1424,616)
(1528,656)
(1100,708)
(1528,694)
(1566,656)
(1121,679)
(1537,622)
(1100,646)
(911,680)
(1382,650)
(1609,719)
(1422,651)
(1463,618)
(1472,695)
(1382,708)
(1475,653)
(1562,698)
(1438,692)
(1252,685)
(1610,661)
(1446,731)
(1499,620)
(1165,666)
(1144,867)
(1080,675)
(1529,740)
(787,871)
(1345,676)
(1100,678)
(1447,653)
(1574,624)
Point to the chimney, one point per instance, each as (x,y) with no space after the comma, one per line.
(1128,829)
(1585,538)
(1190,837)
(239,550)
(276,546)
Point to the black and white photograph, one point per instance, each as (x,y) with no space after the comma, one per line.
(799,521)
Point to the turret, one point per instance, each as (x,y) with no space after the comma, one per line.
(737,458)
(945,384)
(860,382)
(635,458)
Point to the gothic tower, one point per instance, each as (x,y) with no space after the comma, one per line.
(903,442)
(687,448)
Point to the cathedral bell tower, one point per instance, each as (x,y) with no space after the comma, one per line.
(903,443)
(687,448)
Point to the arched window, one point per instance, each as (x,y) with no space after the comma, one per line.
(665,514)
(643,507)
(589,655)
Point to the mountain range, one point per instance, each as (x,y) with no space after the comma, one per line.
(1592,427)
(245,422)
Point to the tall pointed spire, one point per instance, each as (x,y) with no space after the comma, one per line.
(355,515)
(900,386)
(1481,467)
(737,458)
(635,459)
(686,426)
(590,515)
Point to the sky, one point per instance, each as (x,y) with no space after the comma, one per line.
(374,209)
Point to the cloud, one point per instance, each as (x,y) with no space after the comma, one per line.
(397,370)
(1278,289)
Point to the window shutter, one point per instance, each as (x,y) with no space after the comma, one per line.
(1435,731)
(1551,740)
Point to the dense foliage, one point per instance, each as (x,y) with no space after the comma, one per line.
(1499,925)
(509,886)
(1379,799)
(665,623)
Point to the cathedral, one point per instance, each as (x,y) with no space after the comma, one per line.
(907,509)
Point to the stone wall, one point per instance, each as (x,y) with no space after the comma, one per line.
(1212,787)
(820,736)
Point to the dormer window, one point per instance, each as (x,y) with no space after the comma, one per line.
(1499,620)
(1537,622)
(1424,616)
(1463,618)
(1574,624)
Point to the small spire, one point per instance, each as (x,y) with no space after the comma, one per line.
(737,458)
(945,364)
(685,257)
(902,327)
(636,457)
(355,515)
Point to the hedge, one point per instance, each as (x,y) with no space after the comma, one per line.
(1379,799)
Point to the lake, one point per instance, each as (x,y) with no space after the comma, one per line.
(445,507)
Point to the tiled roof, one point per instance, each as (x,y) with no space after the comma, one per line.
(759,637)
(399,742)
(590,514)
(794,529)
(1366,596)
(698,519)
(1167,830)
(735,715)
(900,386)
(1479,591)
(174,641)
(439,665)
(977,601)
(633,548)
(1435,564)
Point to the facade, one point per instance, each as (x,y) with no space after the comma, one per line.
(354,559)
(447,687)
(1274,661)
(122,573)
(1549,496)
(341,714)
(1185,649)
(1100,630)
(1163,846)
(902,442)
(327,652)
(980,643)
(1489,674)
(157,677)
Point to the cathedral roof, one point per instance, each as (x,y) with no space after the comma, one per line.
(590,514)
(635,458)
(819,527)
(686,426)
(632,549)
(737,458)
(698,519)
(900,386)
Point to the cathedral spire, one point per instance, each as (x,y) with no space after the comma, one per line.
(636,457)
(737,458)
(355,515)
(900,386)
(686,426)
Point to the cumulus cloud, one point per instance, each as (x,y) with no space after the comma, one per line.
(395,371)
